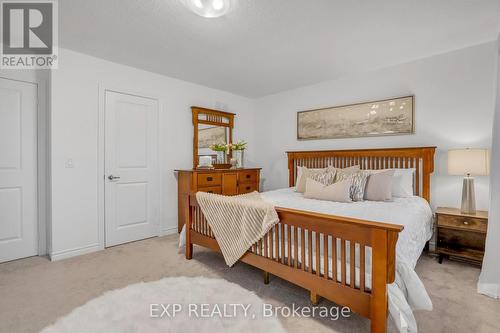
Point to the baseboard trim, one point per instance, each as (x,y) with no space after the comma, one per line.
(168,231)
(95,247)
(74,252)
(489,289)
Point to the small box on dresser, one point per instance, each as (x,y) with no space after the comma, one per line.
(461,236)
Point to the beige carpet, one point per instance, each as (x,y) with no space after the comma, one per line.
(34,292)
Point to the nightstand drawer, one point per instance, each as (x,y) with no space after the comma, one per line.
(209,179)
(455,238)
(462,222)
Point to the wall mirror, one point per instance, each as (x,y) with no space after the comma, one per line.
(211,127)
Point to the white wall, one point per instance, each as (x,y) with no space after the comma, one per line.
(454,108)
(489,280)
(74,134)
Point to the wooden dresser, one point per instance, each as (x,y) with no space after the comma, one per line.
(219,181)
(461,236)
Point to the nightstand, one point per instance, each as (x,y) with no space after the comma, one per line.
(461,236)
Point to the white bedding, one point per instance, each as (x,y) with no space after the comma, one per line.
(414,213)
(407,293)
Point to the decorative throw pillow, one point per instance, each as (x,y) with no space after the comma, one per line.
(358,179)
(303,173)
(325,178)
(358,185)
(339,191)
(345,172)
(379,186)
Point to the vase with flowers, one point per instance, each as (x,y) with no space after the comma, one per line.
(221,149)
(238,153)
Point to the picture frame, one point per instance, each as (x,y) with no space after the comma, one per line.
(387,117)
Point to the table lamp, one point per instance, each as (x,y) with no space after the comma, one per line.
(468,163)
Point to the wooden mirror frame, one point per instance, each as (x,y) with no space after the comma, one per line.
(215,118)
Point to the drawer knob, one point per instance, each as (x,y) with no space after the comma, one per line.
(209,179)
(248,176)
(466,222)
(248,187)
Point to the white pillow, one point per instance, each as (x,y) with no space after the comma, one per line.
(402,183)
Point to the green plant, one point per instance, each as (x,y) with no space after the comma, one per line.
(219,147)
(240,145)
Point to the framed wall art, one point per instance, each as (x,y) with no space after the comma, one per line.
(379,118)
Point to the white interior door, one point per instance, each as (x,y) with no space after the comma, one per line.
(132,196)
(18,199)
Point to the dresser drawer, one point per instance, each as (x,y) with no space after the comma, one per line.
(247,188)
(248,176)
(209,179)
(211,189)
(462,222)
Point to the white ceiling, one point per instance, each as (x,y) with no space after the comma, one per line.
(266,46)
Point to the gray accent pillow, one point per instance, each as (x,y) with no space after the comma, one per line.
(379,186)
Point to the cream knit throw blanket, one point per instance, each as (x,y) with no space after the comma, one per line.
(237,221)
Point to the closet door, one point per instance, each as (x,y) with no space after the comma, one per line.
(18,167)
(132,196)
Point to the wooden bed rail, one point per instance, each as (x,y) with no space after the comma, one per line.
(328,255)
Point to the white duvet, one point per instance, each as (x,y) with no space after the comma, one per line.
(407,293)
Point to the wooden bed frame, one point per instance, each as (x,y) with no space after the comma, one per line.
(298,225)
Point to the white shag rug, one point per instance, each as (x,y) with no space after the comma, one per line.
(129,309)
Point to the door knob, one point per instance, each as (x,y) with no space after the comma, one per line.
(111,177)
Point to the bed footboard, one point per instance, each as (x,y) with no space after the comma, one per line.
(330,256)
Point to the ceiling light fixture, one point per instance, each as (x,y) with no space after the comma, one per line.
(208,8)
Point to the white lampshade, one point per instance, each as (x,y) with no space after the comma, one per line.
(474,162)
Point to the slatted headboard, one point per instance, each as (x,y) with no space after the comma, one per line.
(420,158)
